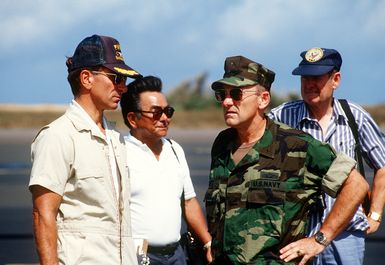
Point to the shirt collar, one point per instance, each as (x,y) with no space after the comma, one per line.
(83,121)
(132,139)
(265,146)
(304,114)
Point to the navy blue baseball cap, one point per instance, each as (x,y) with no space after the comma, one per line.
(318,61)
(100,50)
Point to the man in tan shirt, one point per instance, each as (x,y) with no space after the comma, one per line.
(79,178)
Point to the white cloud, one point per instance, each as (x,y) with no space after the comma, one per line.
(229,24)
(178,38)
(29,21)
(275,26)
(147,14)
(252,21)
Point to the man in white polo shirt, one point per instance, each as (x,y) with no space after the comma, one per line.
(159,174)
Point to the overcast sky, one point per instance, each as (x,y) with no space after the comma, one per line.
(177,40)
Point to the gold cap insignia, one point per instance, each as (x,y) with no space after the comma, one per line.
(314,55)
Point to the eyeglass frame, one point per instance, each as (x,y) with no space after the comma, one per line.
(116,76)
(158,112)
(219,97)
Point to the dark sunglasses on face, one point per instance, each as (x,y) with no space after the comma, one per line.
(235,94)
(117,78)
(157,112)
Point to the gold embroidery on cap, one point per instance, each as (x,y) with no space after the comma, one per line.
(118,53)
(126,72)
(314,55)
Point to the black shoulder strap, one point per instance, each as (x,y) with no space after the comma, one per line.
(353,126)
(182,198)
(172,147)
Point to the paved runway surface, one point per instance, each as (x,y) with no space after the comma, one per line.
(16,242)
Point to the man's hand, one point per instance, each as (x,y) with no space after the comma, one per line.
(209,257)
(305,248)
(196,221)
(373,226)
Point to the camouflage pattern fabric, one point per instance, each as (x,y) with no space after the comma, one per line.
(241,71)
(261,204)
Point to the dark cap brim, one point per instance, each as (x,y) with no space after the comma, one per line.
(232,81)
(123,69)
(312,70)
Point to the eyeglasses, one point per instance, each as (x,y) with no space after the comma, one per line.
(117,78)
(157,112)
(235,94)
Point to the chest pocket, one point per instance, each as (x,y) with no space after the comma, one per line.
(266,188)
(92,186)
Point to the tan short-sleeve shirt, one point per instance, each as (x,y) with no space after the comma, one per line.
(71,159)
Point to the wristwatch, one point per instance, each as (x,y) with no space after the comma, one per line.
(321,238)
(375,216)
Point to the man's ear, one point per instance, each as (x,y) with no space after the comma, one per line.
(263,100)
(86,79)
(133,118)
(336,80)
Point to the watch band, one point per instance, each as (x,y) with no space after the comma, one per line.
(207,245)
(321,238)
(375,216)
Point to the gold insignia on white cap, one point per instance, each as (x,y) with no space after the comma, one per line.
(314,55)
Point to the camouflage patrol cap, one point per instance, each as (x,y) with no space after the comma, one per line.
(241,71)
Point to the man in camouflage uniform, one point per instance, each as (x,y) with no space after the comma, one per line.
(265,177)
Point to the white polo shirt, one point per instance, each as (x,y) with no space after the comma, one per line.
(156,190)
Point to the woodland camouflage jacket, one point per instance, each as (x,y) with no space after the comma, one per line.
(261,204)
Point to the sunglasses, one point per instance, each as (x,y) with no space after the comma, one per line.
(157,112)
(117,78)
(235,94)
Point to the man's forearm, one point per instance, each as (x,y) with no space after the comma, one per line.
(377,201)
(46,238)
(45,209)
(349,198)
(378,192)
(196,220)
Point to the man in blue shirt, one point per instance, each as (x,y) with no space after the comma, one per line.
(321,115)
